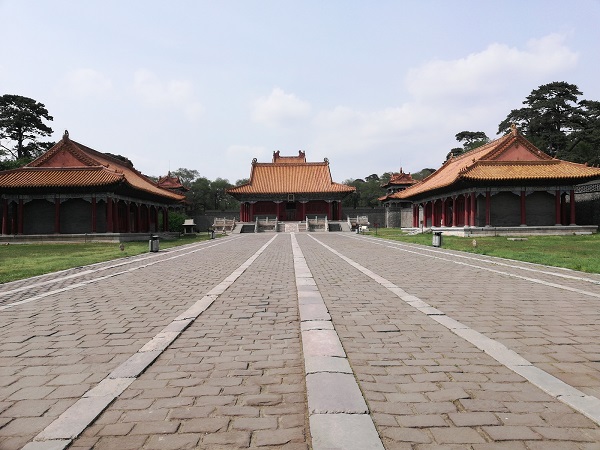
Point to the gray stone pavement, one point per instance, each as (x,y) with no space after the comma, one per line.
(432,340)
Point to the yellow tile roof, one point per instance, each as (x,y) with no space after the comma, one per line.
(70,164)
(529,170)
(509,158)
(290,178)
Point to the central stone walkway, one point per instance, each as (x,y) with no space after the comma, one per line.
(299,341)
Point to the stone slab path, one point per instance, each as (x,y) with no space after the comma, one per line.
(298,341)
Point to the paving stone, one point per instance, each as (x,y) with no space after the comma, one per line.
(347,431)
(315,364)
(241,439)
(135,365)
(334,393)
(75,419)
(322,343)
(314,312)
(48,445)
(460,435)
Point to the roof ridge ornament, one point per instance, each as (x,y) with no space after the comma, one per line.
(66,136)
(513,129)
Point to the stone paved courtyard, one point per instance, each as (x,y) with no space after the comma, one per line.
(298,341)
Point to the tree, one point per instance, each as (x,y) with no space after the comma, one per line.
(21,125)
(470,141)
(550,116)
(199,195)
(218,192)
(186,176)
(585,147)
(423,173)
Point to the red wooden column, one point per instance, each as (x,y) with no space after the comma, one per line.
(473,208)
(466,212)
(93,214)
(572,205)
(523,211)
(488,208)
(127,217)
(116,217)
(454,212)
(557,207)
(433,215)
(4,216)
(109,215)
(242,207)
(444,218)
(138,222)
(20,217)
(329,215)
(166,219)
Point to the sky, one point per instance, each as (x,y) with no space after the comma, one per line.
(373,86)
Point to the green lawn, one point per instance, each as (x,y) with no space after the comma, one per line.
(572,252)
(18,261)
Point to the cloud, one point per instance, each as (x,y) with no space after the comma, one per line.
(444,97)
(490,71)
(85,82)
(177,94)
(279,109)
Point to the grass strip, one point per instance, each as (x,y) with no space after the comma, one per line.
(19,261)
(577,252)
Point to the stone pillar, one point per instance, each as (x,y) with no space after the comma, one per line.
(523,210)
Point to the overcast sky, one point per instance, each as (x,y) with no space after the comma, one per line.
(371,85)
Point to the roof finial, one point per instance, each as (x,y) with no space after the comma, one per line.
(66,135)
(513,129)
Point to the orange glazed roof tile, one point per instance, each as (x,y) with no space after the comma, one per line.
(171,182)
(290,178)
(401,179)
(70,164)
(509,158)
(37,177)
